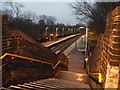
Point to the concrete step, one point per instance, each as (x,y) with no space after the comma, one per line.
(72,76)
(52,83)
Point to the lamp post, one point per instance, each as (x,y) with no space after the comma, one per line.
(74,30)
(62,31)
(68,30)
(76,42)
(71,30)
(56,32)
(86,45)
(46,29)
(77,30)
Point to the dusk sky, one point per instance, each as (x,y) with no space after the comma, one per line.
(61,10)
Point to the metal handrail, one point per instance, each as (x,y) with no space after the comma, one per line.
(99,74)
(31,59)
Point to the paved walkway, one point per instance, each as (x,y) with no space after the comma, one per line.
(76,71)
(76,63)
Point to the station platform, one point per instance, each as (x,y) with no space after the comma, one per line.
(49,43)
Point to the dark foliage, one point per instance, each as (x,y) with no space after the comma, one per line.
(93,14)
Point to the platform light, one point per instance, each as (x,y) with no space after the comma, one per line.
(56,35)
(86,28)
(57,31)
(81,27)
(74,30)
(68,29)
(51,34)
(86,41)
(62,31)
(71,30)
(46,29)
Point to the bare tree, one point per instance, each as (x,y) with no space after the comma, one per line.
(7,12)
(43,17)
(30,15)
(16,7)
(49,20)
(93,13)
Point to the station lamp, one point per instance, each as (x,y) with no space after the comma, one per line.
(71,30)
(62,31)
(57,31)
(46,29)
(86,45)
(81,27)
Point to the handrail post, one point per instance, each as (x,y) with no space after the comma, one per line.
(100,78)
(87,70)
(86,66)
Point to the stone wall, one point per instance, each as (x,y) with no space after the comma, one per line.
(106,56)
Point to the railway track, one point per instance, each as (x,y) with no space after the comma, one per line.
(62,46)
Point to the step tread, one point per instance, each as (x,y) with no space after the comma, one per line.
(52,83)
(63,79)
(72,76)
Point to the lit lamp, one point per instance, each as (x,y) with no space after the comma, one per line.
(51,35)
(81,27)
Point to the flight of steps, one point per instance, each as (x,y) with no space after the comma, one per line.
(62,80)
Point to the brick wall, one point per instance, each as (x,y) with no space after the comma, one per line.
(106,56)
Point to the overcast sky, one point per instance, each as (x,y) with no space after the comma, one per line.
(61,10)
